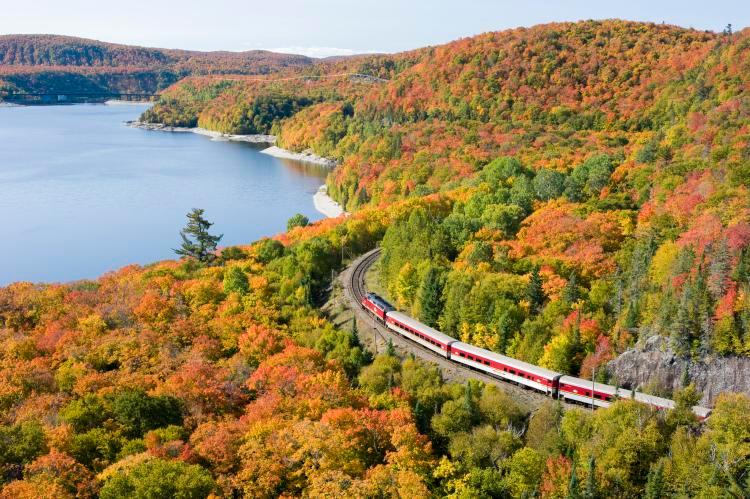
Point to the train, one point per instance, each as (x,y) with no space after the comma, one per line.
(553,384)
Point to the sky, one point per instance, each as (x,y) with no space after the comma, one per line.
(335,27)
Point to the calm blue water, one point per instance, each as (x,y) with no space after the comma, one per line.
(81,194)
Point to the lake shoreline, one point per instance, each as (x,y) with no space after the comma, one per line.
(306,156)
(326,205)
(323,203)
(218,136)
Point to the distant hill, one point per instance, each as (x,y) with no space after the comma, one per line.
(52,63)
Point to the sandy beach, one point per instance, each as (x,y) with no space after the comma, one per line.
(326,205)
(309,157)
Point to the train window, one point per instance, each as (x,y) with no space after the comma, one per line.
(486,363)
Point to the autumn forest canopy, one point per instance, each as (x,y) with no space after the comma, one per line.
(560,194)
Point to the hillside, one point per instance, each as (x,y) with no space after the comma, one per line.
(610,158)
(50,63)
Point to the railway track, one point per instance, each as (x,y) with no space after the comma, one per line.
(360,268)
(353,281)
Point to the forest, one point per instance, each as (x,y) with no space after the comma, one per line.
(223,379)
(558,194)
(61,64)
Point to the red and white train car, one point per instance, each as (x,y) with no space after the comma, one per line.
(506,368)
(588,392)
(420,333)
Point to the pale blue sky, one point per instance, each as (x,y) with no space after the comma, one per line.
(325,27)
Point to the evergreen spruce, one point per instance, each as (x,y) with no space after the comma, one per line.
(390,350)
(685,379)
(196,241)
(430,294)
(680,334)
(655,482)
(718,270)
(591,485)
(573,492)
(742,270)
(535,293)
(570,292)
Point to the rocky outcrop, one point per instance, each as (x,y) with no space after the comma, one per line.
(654,364)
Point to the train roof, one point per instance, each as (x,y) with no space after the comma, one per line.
(377,300)
(654,400)
(423,328)
(508,361)
(599,387)
(701,412)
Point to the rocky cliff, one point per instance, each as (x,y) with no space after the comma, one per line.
(653,364)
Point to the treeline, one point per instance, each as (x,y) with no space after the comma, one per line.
(59,64)
(56,51)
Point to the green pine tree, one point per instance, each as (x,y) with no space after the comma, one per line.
(591,485)
(534,292)
(390,350)
(430,297)
(718,270)
(741,272)
(573,492)
(570,292)
(196,241)
(655,482)
(681,326)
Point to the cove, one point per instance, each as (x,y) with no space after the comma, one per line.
(82,194)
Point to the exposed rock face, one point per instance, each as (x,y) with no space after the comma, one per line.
(653,363)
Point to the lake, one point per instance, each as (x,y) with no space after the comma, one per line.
(82,194)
